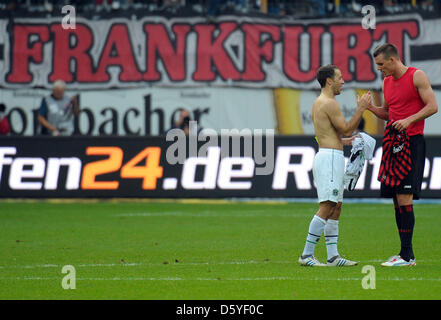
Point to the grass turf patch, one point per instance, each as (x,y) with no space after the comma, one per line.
(192,251)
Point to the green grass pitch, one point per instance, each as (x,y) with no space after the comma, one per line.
(215,250)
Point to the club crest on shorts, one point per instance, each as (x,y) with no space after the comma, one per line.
(335,192)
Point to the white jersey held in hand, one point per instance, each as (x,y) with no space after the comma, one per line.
(362,149)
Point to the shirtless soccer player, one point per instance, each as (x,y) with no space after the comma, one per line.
(328,168)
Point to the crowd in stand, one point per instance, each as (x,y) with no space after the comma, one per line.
(297,8)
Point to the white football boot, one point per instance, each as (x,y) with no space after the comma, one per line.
(339,261)
(397,261)
(310,261)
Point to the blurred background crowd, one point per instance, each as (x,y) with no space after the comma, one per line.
(212,8)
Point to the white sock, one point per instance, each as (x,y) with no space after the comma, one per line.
(331,236)
(315,231)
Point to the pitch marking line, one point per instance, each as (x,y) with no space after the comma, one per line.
(219,279)
(135,264)
(210,214)
(152,264)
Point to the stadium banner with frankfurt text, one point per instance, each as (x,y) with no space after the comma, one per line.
(235,165)
(192,52)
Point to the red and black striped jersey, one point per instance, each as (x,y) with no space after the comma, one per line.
(395,161)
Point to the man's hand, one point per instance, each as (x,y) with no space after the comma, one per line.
(348,141)
(364,101)
(401,125)
(55,132)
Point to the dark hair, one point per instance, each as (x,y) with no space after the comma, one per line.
(387,49)
(2,107)
(324,73)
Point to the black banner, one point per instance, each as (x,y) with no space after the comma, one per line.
(152,167)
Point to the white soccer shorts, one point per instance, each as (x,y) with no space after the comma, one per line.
(328,170)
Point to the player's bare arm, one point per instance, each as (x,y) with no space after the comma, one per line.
(348,141)
(422,84)
(338,121)
(382,111)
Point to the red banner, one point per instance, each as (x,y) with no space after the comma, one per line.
(240,51)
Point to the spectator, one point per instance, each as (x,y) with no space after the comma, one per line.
(5,128)
(273,7)
(237,5)
(320,7)
(183,122)
(213,7)
(57,112)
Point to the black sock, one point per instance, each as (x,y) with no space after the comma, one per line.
(406,231)
(398,221)
(398,218)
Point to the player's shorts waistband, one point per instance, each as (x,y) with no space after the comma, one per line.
(332,151)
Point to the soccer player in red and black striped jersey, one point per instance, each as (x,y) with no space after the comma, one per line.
(408,100)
